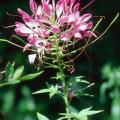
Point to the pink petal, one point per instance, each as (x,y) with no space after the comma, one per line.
(44,33)
(26,47)
(65,6)
(86,17)
(71,18)
(67,1)
(39,10)
(59,8)
(90,25)
(46,8)
(90,34)
(42,19)
(63,19)
(72,2)
(20,33)
(33,6)
(78,35)
(76,8)
(69,33)
(22,13)
(32,58)
(22,28)
(31,40)
(82,27)
(55,29)
(31,23)
(26,19)
(64,37)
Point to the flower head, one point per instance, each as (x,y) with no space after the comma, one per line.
(62,19)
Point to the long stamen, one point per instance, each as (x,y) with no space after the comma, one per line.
(87,5)
(12,15)
(8,26)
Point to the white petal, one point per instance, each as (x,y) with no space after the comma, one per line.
(32,58)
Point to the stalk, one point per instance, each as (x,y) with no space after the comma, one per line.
(62,76)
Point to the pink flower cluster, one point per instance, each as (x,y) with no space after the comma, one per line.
(62,19)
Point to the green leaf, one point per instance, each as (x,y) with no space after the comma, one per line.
(82,115)
(41,91)
(9,71)
(41,117)
(84,118)
(51,90)
(18,72)
(30,76)
(87,112)
(11,82)
(80,79)
(66,116)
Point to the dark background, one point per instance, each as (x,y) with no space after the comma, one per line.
(105,50)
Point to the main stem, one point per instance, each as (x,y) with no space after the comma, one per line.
(62,76)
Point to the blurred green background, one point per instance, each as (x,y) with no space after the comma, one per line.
(101,67)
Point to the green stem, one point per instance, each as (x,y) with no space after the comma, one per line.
(62,76)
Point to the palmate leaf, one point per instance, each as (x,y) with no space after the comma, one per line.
(41,117)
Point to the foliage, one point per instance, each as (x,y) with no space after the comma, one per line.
(13,76)
(112,75)
(41,117)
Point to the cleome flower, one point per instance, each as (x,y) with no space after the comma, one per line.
(48,19)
